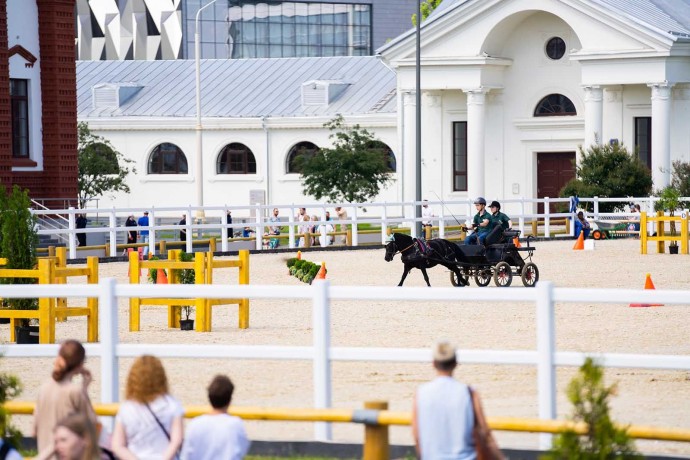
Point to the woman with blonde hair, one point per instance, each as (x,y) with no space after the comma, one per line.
(148,425)
(62,395)
(75,439)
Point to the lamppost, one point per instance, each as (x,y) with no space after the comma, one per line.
(199,172)
(418,125)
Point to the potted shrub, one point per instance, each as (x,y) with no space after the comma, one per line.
(669,201)
(186,276)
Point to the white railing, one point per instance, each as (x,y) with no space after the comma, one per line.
(385,215)
(546,358)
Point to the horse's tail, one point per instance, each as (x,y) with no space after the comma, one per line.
(459,255)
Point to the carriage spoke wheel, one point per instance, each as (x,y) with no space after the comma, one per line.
(483,277)
(463,281)
(503,274)
(530,274)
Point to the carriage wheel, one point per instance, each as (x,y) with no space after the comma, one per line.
(597,235)
(530,275)
(503,274)
(464,279)
(483,277)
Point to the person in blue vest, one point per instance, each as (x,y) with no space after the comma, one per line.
(582,225)
(144,234)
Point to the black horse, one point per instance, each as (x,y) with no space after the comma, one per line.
(415,255)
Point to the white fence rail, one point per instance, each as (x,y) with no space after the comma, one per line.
(378,214)
(546,358)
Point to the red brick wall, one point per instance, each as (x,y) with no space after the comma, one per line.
(5,117)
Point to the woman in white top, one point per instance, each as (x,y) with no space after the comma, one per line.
(148,425)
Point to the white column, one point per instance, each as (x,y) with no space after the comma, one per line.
(594,111)
(661,134)
(409,148)
(432,153)
(476,123)
(613,114)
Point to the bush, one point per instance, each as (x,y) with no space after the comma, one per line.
(609,171)
(291,261)
(680,179)
(10,388)
(187,276)
(603,440)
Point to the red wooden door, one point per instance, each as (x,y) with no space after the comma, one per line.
(554,170)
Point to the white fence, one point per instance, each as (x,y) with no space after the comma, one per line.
(546,358)
(377,214)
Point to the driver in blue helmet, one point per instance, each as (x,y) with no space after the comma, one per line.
(481,223)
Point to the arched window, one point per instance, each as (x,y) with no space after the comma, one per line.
(555,105)
(306,149)
(167,158)
(387,152)
(236,158)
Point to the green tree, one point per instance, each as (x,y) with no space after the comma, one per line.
(602,439)
(427,7)
(609,171)
(353,170)
(680,177)
(10,388)
(102,169)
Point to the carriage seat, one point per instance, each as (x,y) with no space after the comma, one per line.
(472,253)
(510,233)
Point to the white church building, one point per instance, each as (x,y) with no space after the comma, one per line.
(510,90)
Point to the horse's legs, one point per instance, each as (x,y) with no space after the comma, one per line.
(426,277)
(458,276)
(405,272)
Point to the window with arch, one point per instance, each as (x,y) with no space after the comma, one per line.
(167,158)
(387,152)
(555,105)
(301,149)
(236,158)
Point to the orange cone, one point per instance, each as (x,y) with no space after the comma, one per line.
(580,243)
(648,284)
(299,255)
(322,272)
(161,277)
(516,242)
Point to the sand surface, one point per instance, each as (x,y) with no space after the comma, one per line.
(645,397)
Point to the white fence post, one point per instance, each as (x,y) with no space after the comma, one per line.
(355,237)
(113,233)
(547,217)
(384,224)
(291,228)
(441,224)
(152,232)
(107,305)
(546,349)
(72,237)
(224,231)
(322,356)
(413,228)
(259,227)
(189,247)
(596,207)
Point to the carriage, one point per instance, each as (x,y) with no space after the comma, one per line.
(499,262)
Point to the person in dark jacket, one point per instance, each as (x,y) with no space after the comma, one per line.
(132,234)
(81,223)
(183,231)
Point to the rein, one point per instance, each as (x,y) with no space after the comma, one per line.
(403,250)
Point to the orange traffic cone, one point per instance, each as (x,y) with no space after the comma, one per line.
(516,242)
(648,284)
(299,255)
(322,272)
(161,277)
(580,243)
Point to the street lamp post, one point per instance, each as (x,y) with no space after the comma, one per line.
(418,125)
(199,172)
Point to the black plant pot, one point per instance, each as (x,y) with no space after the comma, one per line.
(27,334)
(673,249)
(4,321)
(186,324)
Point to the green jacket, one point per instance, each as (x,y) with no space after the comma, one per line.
(500,219)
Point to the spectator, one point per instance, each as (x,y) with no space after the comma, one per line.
(304,229)
(149,423)
(8,452)
(144,234)
(342,215)
(635,225)
(62,395)
(217,435)
(426,216)
(75,439)
(183,231)
(275,220)
(328,227)
(132,234)
(582,225)
(81,223)
(228,220)
(443,414)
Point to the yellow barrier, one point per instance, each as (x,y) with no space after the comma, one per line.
(385,417)
(53,270)
(203,266)
(661,236)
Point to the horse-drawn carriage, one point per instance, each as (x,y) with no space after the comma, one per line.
(499,262)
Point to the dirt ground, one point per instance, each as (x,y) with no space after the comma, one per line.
(657,398)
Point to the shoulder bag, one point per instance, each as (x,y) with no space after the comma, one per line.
(167,435)
(484,442)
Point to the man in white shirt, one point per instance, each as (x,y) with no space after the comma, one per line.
(217,435)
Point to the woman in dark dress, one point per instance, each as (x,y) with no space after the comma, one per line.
(132,234)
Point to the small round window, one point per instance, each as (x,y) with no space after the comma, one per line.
(555,48)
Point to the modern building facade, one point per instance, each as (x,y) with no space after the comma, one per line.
(38,118)
(165,29)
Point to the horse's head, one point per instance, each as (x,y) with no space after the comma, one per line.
(391,249)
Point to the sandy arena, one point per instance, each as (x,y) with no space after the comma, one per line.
(658,398)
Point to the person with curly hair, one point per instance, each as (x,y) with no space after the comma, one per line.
(148,425)
(62,395)
(75,439)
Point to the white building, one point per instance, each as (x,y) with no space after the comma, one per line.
(511,89)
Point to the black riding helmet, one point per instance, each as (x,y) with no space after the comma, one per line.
(495,204)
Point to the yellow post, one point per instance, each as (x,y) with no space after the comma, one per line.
(660,224)
(427,232)
(134,302)
(535,227)
(307,240)
(376,445)
(162,246)
(567,226)
(643,233)
(212,245)
(348,237)
(92,302)
(51,251)
(107,250)
(61,256)
(244,279)
(174,311)
(684,235)
(202,306)
(46,305)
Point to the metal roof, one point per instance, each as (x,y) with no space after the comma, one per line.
(238,87)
